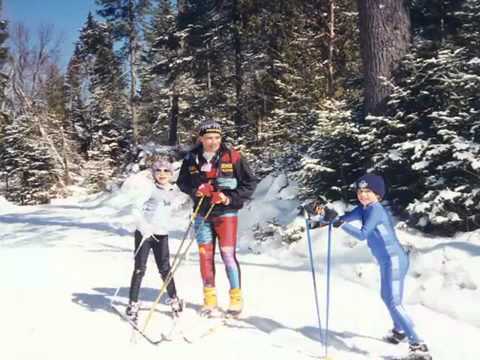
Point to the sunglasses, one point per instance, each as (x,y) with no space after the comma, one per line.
(162,170)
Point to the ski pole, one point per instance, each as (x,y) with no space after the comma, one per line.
(329,258)
(192,218)
(312,268)
(185,236)
(172,272)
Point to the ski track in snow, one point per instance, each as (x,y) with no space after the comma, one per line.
(60,264)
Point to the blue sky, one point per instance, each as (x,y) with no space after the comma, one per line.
(67,16)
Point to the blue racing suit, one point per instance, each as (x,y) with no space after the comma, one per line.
(377,228)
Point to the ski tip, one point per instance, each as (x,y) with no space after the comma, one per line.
(232,316)
(211,313)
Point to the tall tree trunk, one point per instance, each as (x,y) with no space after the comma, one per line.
(331,48)
(133,99)
(238,120)
(182,6)
(384,40)
(132,54)
(261,115)
(209,72)
(173,123)
(66,172)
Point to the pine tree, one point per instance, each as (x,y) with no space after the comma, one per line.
(181,70)
(332,161)
(76,98)
(94,91)
(96,105)
(106,110)
(4,118)
(427,145)
(78,83)
(125,18)
(469,18)
(3,61)
(34,148)
(158,96)
(203,61)
(435,20)
(30,169)
(293,74)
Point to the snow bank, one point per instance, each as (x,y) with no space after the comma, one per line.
(80,257)
(6,206)
(443,274)
(273,201)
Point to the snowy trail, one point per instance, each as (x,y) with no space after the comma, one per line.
(60,264)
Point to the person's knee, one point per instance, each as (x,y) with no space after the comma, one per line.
(228,255)
(387,297)
(164,270)
(140,271)
(390,301)
(206,251)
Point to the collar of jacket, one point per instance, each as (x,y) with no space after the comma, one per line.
(198,150)
(167,187)
(198,154)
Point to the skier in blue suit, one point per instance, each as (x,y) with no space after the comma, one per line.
(377,228)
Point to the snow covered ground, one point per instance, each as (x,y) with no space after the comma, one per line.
(60,265)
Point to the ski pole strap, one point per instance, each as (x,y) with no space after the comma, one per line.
(329,261)
(312,269)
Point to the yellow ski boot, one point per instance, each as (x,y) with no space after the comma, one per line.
(236,303)
(209,301)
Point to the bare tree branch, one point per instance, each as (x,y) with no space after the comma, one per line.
(33,56)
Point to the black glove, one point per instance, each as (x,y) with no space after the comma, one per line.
(329,214)
(337,223)
(311,207)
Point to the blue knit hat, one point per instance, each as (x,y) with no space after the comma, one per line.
(210,127)
(372,182)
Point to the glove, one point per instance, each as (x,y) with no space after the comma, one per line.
(205,189)
(219,198)
(312,207)
(337,223)
(329,214)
